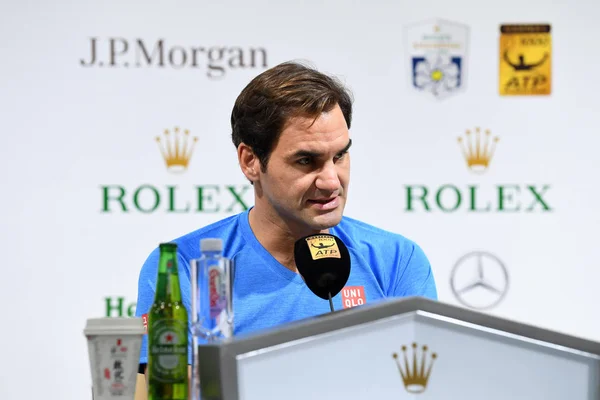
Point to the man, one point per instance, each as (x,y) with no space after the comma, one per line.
(290,126)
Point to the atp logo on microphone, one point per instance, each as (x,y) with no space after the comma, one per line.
(323,246)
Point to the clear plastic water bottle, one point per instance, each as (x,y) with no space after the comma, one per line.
(215,312)
(212,301)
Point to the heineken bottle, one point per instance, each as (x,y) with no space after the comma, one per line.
(167,333)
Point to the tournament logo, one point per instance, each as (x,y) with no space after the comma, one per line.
(416,370)
(437,57)
(525,60)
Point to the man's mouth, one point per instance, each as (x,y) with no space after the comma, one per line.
(325,204)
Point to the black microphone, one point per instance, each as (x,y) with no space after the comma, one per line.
(323,261)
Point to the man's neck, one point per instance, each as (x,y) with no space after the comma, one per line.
(277,237)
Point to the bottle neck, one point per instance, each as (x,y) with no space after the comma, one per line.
(168,289)
(211,254)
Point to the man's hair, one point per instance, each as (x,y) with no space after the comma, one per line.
(285,91)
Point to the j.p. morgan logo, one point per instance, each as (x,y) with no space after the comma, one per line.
(214,61)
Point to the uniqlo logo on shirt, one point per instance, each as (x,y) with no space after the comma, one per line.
(353,296)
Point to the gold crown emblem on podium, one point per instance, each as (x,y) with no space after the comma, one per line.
(478,150)
(176,148)
(415,373)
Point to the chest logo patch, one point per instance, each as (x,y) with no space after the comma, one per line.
(353,296)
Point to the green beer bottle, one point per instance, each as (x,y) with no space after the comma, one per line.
(168,333)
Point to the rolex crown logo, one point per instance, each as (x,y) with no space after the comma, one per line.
(415,373)
(176,148)
(478,150)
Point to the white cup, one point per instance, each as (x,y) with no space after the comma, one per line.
(114,349)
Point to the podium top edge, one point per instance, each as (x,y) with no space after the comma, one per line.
(360,315)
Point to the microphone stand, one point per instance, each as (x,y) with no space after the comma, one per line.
(330,303)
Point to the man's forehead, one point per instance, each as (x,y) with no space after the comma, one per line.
(317,140)
(315,133)
(307,122)
(318,131)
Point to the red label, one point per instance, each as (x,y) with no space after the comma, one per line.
(213,287)
(145,322)
(353,296)
(214,295)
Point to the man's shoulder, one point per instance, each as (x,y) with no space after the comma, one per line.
(360,232)
(188,244)
(399,262)
(222,229)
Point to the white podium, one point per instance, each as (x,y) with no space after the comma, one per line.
(410,348)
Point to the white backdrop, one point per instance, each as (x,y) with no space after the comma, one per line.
(70,130)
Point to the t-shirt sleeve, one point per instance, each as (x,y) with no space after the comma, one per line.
(415,276)
(147,290)
(145,298)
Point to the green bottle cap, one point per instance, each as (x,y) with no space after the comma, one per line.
(168,246)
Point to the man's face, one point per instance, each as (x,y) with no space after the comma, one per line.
(306,181)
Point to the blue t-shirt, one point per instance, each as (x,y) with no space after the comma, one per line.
(267,294)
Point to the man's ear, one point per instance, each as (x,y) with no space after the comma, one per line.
(249,162)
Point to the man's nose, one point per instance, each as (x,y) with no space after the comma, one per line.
(328,179)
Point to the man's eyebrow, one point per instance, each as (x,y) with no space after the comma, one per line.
(347,146)
(305,153)
(314,154)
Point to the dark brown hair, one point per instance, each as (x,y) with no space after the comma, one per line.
(285,91)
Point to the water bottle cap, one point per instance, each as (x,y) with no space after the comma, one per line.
(211,245)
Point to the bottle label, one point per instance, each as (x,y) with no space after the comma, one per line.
(216,283)
(168,350)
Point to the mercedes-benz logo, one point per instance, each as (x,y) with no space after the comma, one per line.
(479,280)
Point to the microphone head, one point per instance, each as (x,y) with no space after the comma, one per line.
(323,261)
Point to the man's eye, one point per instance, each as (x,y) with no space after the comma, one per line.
(339,156)
(304,161)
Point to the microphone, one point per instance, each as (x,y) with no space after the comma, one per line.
(323,261)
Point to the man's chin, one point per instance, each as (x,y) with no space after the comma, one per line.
(326,221)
